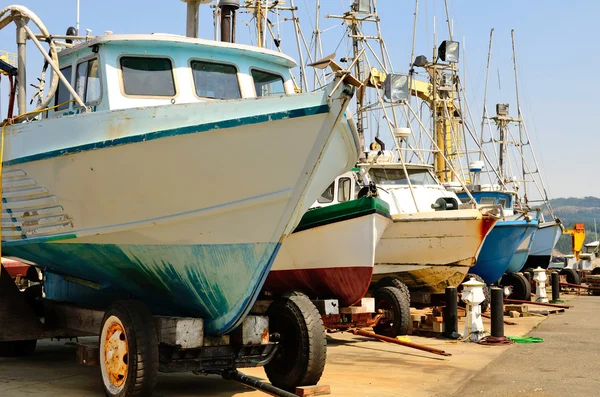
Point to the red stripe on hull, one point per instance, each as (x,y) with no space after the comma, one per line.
(346,284)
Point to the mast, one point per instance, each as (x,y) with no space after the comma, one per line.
(523,166)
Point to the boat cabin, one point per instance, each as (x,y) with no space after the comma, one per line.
(127,71)
(344,188)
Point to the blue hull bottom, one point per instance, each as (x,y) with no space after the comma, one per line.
(499,247)
(518,261)
(217,282)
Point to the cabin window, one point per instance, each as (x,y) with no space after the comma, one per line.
(344,189)
(62,93)
(267,84)
(215,80)
(88,81)
(327,196)
(396,176)
(487,200)
(503,202)
(148,76)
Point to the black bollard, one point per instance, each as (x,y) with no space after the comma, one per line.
(451,313)
(555,287)
(497,308)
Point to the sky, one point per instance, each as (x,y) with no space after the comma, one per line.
(556,52)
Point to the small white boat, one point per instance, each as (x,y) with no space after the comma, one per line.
(331,253)
(434,239)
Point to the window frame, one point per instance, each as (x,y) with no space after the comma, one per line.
(333,199)
(56,103)
(269,72)
(237,77)
(122,81)
(100,76)
(340,181)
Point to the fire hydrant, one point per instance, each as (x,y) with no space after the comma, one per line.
(540,277)
(473,295)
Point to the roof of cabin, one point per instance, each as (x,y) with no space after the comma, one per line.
(168,40)
(409,166)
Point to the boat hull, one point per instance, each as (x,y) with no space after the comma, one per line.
(499,248)
(432,250)
(331,253)
(545,240)
(153,206)
(520,256)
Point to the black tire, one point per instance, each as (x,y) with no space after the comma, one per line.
(528,270)
(19,348)
(390,281)
(394,302)
(133,324)
(521,287)
(595,271)
(302,350)
(486,292)
(572,276)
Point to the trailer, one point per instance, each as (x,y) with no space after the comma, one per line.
(135,344)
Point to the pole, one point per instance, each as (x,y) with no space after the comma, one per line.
(21,64)
(77,21)
(487,74)
(555,287)
(191,23)
(497,312)
(451,313)
(524,173)
(399,342)
(256,384)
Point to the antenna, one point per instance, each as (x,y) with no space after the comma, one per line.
(77,21)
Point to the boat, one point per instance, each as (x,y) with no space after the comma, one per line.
(434,239)
(331,252)
(545,240)
(509,233)
(158,167)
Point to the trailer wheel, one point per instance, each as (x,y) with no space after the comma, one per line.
(528,270)
(128,350)
(396,306)
(302,350)
(390,281)
(572,276)
(18,348)
(486,292)
(521,287)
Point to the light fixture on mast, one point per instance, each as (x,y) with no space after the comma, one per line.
(448,51)
(395,88)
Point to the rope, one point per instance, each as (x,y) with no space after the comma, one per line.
(10,122)
(495,341)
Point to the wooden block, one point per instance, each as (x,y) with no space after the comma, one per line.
(353,310)
(516,308)
(416,317)
(514,314)
(438,327)
(305,391)
(88,354)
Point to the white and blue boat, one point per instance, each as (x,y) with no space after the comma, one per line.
(501,247)
(545,240)
(174,174)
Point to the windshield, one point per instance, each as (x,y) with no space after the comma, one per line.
(396,176)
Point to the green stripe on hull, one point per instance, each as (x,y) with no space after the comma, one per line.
(343,211)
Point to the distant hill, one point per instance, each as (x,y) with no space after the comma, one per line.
(573,210)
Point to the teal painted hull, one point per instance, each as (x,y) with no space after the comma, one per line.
(217,282)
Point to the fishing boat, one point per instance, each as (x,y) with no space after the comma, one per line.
(125,182)
(434,239)
(509,233)
(545,240)
(331,252)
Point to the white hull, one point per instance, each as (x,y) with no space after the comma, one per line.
(160,186)
(431,250)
